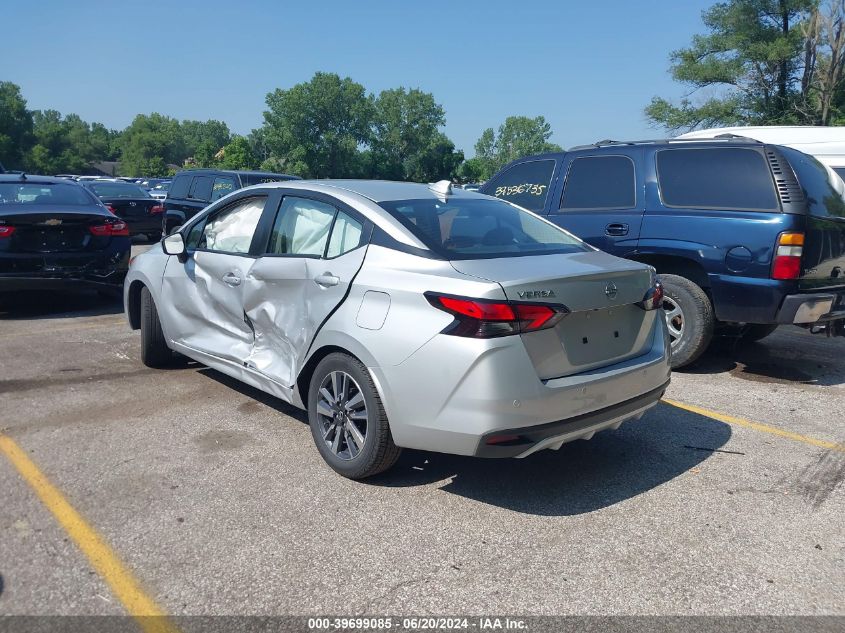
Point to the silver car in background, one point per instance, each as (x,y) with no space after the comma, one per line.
(406,315)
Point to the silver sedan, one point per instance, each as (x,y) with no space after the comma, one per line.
(406,315)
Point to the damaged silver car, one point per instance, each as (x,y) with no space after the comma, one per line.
(406,315)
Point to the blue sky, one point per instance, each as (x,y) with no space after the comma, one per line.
(588,67)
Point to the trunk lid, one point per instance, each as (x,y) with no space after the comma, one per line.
(45,231)
(132,208)
(604,325)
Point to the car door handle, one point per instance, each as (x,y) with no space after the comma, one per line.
(326,280)
(616,229)
(231,279)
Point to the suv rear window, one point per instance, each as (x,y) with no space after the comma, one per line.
(600,182)
(475,228)
(526,184)
(716,178)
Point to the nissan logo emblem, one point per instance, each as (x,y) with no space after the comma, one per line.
(610,290)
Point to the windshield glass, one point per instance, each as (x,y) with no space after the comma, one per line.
(43,193)
(118,190)
(469,228)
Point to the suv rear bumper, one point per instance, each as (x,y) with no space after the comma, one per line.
(812,308)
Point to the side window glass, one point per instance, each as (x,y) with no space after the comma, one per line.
(526,184)
(223,185)
(179,188)
(600,182)
(201,188)
(231,230)
(716,178)
(346,235)
(194,236)
(301,227)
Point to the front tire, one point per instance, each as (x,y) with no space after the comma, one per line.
(347,419)
(154,350)
(689,317)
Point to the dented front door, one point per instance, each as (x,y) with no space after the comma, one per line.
(205,291)
(207,306)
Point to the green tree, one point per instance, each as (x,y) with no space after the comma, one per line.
(319,126)
(149,144)
(15,126)
(65,144)
(407,143)
(518,136)
(757,60)
(238,155)
(209,133)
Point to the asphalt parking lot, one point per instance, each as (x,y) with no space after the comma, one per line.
(213,498)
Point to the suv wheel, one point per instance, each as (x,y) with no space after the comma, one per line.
(689,317)
(347,419)
(154,350)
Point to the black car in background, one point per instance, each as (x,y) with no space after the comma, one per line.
(56,234)
(132,204)
(194,189)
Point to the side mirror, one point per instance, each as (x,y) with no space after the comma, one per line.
(174,245)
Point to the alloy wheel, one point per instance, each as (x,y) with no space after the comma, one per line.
(342,412)
(674,320)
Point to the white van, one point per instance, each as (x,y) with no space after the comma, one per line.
(827,144)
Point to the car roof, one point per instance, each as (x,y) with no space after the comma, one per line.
(234,172)
(376,190)
(35,179)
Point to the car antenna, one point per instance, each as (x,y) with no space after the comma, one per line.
(442,188)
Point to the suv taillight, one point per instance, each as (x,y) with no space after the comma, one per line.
(6,231)
(788,252)
(482,318)
(114,229)
(155,210)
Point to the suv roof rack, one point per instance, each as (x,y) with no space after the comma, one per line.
(721,137)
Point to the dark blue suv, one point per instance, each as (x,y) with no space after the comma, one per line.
(745,236)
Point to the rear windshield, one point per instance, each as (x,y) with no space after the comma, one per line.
(43,193)
(118,190)
(470,228)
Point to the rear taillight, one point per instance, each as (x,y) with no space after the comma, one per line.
(787,261)
(113,229)
(6,231)
(156,209)
(481,318)
(653,299)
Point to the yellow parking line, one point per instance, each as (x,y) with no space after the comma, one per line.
(102,558)
(757,426)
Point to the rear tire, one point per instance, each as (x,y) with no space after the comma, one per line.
(154,349)
(689,315)
(347,419)
(757,331)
